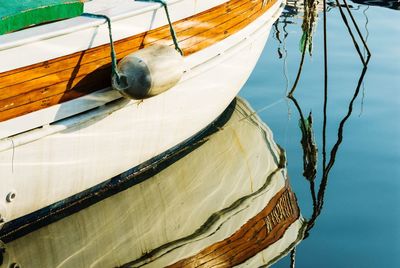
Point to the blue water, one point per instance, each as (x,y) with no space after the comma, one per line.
(360,221)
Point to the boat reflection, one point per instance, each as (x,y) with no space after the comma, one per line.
(227,202)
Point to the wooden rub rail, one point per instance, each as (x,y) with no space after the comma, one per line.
(48,83)
(254,236)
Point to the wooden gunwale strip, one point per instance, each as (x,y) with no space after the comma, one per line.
(207,15)
(55,99)
(250,239)
(214,35)
(30,94)
(190,44)
(163,31)
(122,40)
(56,88)
(46,102)
(232,30)
(85,66)
(65,75)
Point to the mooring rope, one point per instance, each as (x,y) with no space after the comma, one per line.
(114,68)
(171,28)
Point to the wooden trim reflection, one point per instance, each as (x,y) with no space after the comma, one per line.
(257,234)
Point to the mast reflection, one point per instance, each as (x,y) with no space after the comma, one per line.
(308,11)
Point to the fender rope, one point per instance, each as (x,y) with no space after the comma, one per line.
(171,28)
(114,68)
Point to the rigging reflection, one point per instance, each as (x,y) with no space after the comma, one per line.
(309,146)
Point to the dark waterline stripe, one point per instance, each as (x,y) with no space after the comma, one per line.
(61,209)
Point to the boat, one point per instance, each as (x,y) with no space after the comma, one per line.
(226,202)
(68,124)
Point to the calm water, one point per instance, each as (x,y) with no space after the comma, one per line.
(360,221)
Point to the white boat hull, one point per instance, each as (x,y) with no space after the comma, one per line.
(51,163)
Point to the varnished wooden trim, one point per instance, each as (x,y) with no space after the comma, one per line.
(45,84)
(254,236)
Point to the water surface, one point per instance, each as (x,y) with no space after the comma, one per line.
(360,221)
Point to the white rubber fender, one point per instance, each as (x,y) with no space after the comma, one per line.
(149,72)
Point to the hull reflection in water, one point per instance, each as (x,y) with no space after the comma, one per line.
(228,202)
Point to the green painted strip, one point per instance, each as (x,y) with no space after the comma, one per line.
(16,15)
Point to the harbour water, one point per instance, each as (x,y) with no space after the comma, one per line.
(359,225)
(262,186)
